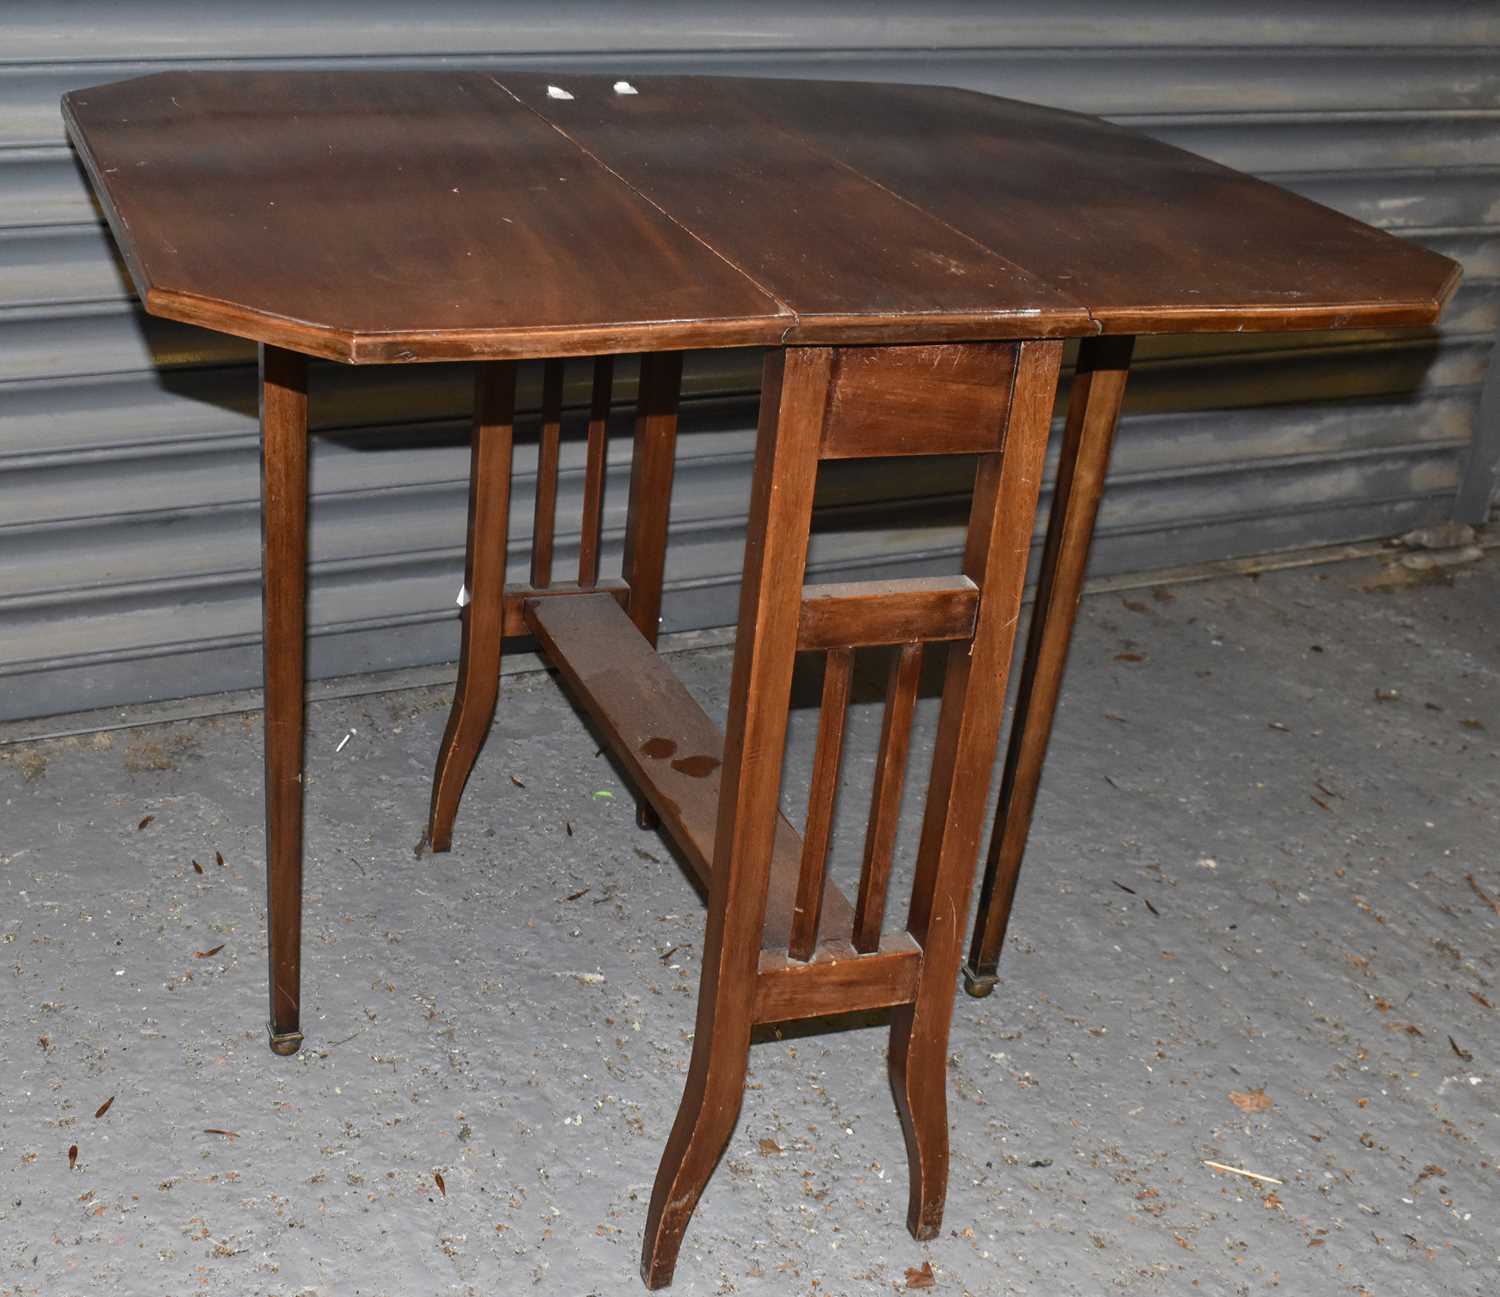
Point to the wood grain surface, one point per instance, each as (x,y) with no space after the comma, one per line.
(373,216)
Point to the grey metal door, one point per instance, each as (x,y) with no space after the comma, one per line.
(128,457)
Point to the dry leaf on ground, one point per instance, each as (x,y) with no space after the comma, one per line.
(923,1278)
(1256,1100)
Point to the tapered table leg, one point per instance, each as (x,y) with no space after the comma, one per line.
(794,396)
(1093,409)
(283,431)
(478,687)
(968,732)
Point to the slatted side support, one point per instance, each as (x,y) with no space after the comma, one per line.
(885,800)
(808,908)
(592,527)
(548,449)
(838,618)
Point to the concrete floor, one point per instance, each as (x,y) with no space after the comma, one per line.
(1247,934)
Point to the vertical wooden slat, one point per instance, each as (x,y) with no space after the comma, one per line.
(808,907)
(648,512)
(548,447)
(885,800)
(651,467)
(591,530)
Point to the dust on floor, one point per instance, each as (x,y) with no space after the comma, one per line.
(1258,927)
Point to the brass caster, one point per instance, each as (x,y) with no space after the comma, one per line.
(285,1043)
(979,984)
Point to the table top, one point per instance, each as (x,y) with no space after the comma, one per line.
(393,216)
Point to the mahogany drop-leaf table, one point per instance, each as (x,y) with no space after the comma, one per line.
(911,258)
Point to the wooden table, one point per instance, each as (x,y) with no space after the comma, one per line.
(912,259)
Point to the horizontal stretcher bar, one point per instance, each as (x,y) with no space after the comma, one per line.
(912,611)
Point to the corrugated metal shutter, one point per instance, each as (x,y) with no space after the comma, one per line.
(128,475)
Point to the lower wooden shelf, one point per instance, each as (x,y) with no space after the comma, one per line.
(669,747)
